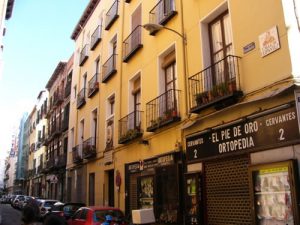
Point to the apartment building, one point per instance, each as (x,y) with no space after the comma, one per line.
(38,126)
(126,137)
(22,154)
(10,165)
(242,139)
(195,116)
(59,88)
(30,171)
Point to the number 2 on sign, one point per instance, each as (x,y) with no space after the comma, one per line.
(195,154)
(281,133)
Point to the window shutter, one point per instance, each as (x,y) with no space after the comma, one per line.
(170,58)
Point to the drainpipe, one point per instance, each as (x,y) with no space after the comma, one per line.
(185,63)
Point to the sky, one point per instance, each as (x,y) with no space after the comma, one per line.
(37,38)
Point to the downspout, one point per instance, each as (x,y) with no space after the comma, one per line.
(185,64)
(121,66)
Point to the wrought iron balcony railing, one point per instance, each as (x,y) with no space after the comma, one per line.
(84,54)
(60,161)
(65,124)
(109,68)
(50,163)
(55,128)
(77,154)
(132,43)
(130,127)
(96,37)
(93,85)
(217,85)
(89,148)
(68,89)
(111,15)
(162,12)
(163,110)
(81,98)
(57,98)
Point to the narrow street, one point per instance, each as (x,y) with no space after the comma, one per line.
(9,215)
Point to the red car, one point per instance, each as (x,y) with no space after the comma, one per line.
(95,215)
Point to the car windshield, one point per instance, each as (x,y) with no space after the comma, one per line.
(99,215)
(72,207)
(48,203)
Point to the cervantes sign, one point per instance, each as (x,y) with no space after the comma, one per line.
(250,134)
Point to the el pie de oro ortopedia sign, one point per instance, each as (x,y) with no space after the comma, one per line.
(251,134)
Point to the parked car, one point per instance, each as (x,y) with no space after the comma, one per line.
(23,203)
(16,200)
(45,205)
(64,210)
(95,215)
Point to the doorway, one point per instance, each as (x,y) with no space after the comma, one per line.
(111,188)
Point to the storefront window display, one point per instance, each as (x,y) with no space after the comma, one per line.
(155,183)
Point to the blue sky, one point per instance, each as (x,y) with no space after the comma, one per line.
(37,38)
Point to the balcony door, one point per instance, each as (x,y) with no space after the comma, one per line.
(169,99)
(221,47)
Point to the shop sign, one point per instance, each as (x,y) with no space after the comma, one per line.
(250,134)
(269,41)
(151,163)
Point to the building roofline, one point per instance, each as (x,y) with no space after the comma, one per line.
(84,18)
(9,9)
(59,68)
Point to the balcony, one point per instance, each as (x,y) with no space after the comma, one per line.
(39,169)
(132,43)
(67,90)
(89,148)
(60,161)
(50,163)
(162,12)
(81,98)
(65,124)
(217,85)
(96,37)
(130,127)
(77,154)
(93,85)
(111,15)
(57,99)
(55,129)
(163,110)
(109,68)
(84,54)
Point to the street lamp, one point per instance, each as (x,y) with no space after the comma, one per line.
(153,28)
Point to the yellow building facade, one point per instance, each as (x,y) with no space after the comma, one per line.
(178,116)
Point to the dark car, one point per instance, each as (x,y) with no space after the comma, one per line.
(95,215)
(65,210)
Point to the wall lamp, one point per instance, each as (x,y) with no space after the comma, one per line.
(154,27)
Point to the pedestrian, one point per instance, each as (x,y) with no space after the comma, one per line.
(108,219)
(31,213)
(54,220)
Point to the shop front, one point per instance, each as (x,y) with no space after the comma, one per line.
(246,171)
(156,183)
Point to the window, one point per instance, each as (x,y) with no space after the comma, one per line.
(111,105)
(81,131)
(94,125)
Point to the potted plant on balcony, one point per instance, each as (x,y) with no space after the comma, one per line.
(202,98)
(232,85)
